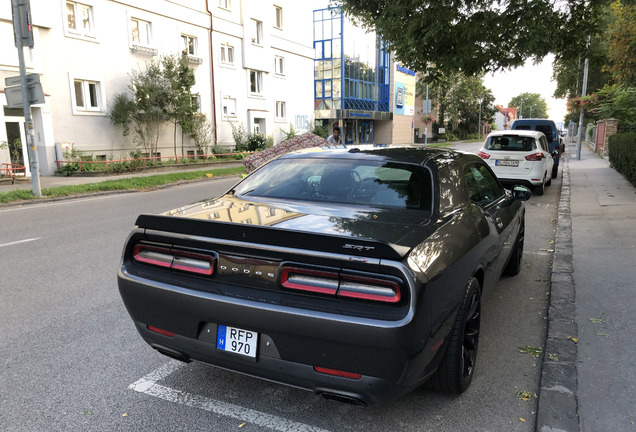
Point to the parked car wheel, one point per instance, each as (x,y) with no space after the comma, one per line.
(458,365)
(514,264)
(555,171)
(549,182)
(540,189)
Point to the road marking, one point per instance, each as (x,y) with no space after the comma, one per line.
(20,241)
(148,385)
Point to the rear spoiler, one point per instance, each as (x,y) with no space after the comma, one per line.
(272,236)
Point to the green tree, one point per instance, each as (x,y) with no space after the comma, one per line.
(530,105)
(476,36)
(457,98)
(202,133)
(463,105)
(144,108)
(180,110)
(621,40)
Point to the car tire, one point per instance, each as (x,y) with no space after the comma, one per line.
(514,262)
(458,364)
(555,171)
(540,189)
(549,182)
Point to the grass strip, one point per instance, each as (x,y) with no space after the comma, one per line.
(132,183)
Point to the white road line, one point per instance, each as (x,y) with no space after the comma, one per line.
(20,241)
(148,385)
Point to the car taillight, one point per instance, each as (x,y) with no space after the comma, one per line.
(175,259)
(535,157)
(160,331)
(340,285)
(339,373)
(483,155)
(309,280)
(369,289)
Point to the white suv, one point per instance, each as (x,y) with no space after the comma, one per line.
(519,157)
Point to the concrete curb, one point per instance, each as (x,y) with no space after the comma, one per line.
(557,407)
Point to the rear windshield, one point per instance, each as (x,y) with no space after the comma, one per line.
(547,131)
(356,182)
(510,143)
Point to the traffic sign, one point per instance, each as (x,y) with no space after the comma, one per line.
(16,80)
(14,95)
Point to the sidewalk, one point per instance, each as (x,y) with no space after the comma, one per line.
(591,385)
(53,181)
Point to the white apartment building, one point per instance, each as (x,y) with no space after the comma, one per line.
(252,60)
(263,67)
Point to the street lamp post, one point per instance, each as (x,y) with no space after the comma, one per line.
(479,127)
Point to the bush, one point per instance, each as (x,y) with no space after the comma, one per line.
(622,154)
(256,141)
(240,136)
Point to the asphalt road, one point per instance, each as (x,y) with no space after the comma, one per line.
(71,359)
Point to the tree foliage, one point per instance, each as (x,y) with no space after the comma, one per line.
(457,98)
(156,95)
(621,38)
(180,110)
(530,105)
(476,36)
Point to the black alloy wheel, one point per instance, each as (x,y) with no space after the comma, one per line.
(458,365)
(514,262)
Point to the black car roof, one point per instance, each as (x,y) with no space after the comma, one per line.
(410,155)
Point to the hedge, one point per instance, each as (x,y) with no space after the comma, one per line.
(622,154)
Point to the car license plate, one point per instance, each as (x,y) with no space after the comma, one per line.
(512,163)
(236,340)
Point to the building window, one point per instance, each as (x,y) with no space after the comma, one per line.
(188,45)
(195,100)
(256,82)
(258,33)
(87,96)
(79,19)
(280,110)
(279,17)
(229,106)
(227,54)
(140,32)
(279,65)
(225,4)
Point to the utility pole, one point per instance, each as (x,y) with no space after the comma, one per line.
(479,127)
(23,32)
(583,92)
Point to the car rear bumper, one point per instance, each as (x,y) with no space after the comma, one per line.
(392,357)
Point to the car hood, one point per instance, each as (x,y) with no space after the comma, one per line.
(399,229)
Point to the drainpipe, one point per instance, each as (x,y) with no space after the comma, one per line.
(207,7)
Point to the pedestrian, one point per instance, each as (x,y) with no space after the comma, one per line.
(335,138)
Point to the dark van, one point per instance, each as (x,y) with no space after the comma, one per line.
(549,129)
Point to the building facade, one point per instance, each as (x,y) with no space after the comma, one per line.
(357,85)
(263,58)
(252,63)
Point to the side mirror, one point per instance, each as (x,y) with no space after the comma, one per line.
(555,152)
(521,193)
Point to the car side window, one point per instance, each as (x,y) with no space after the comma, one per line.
(482,186)
(544,144)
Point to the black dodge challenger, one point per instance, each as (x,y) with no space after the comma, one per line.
(353,273)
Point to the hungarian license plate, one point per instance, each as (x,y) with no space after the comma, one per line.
(236,340)
(512,163)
